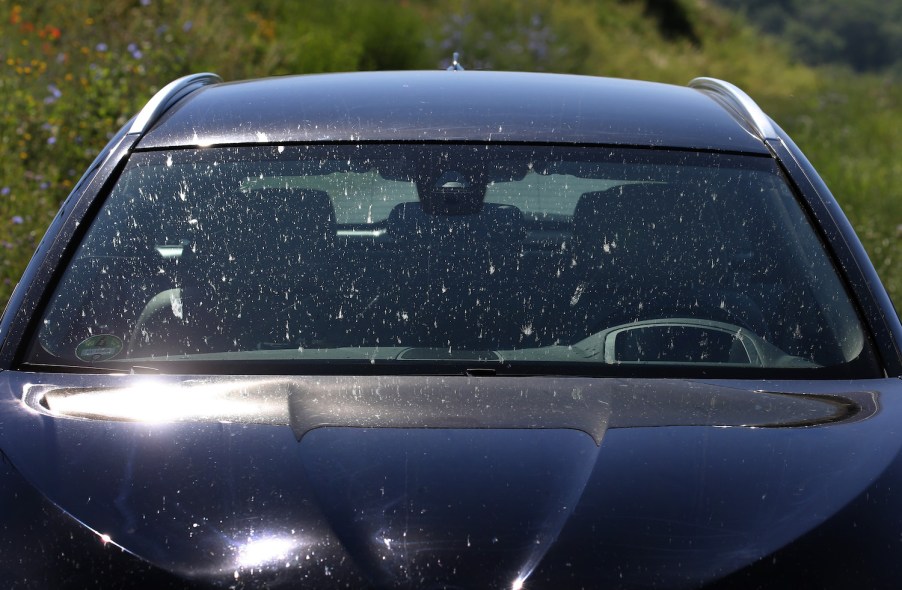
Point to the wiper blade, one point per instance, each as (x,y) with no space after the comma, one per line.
(481,372)
(85,369)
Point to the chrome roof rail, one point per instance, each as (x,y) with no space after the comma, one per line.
(164,99)
(739,104)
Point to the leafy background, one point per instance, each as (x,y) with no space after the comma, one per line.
(75,70)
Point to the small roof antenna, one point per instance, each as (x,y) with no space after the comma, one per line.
(455,63)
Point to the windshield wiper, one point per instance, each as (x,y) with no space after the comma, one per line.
(85,369)
(481,372)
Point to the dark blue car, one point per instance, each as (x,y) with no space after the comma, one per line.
(450,330)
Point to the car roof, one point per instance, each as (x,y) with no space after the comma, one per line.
(451,106)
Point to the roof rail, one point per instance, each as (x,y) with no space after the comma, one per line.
(170,93)
(739,104)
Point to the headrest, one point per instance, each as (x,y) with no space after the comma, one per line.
(267,225)
(297,217)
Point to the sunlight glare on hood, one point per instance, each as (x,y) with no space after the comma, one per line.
(259,552)
(159,402)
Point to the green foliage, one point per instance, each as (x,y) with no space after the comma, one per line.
(863,34)
(850,130)
(74,71)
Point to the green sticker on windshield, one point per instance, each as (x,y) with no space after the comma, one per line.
(102,347)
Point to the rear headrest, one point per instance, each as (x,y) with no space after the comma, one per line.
(300,218)
(494,224)
(268,225)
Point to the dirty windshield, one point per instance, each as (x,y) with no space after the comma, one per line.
(419,257)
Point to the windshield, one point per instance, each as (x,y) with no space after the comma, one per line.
(419,257)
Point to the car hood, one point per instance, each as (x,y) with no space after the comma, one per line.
(448,481)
